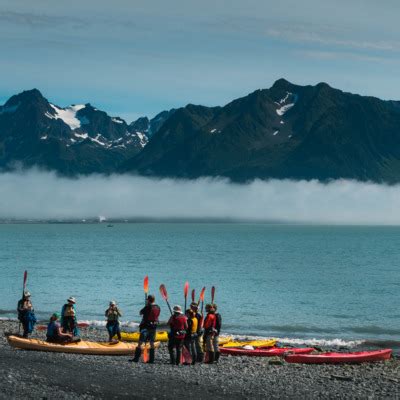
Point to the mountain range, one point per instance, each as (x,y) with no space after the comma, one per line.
(286,131)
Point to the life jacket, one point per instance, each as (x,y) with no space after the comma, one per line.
(23,307)
(113,314)
(52,329)
(218,322)
(69,310)
(178,324)
(195,325)
(150,313)
(210,323)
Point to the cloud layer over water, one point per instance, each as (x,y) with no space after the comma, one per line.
(36,194)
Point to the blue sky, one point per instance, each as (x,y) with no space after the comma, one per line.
(135,58)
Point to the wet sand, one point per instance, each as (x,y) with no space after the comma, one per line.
(38,375)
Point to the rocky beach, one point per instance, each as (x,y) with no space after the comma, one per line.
(40,375)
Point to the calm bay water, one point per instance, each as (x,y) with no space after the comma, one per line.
(299,282)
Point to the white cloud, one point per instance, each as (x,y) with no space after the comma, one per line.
(35,194)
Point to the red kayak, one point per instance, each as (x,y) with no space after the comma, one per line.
(266,352)
(340,358)
(80,325)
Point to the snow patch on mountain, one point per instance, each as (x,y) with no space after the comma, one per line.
(143,139)
(68,115)
(117,120)
(284,107)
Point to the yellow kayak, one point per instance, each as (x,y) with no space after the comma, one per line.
(224,340)
(161,336)
(82,347)
(253,343)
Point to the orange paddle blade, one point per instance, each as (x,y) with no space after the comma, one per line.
(163,291)
(145,355)
(146,284)
(186,289)
(202,294)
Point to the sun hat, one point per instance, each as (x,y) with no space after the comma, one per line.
(27,294)
(113,303)
(71,300)
(177,309)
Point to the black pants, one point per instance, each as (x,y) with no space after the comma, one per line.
(199,350)
(175,349)
(68,324)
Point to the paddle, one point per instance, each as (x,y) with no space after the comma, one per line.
(212,294)
(164,294)
(146,288)
(23,294)
(193,295)
(185,291)
(146,291)
(202,299)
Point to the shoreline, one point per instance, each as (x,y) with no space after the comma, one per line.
(68,376)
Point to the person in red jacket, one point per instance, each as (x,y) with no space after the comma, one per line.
(179,326)
(210,330)
(148,328)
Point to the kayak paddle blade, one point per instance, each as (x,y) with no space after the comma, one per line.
(146,284)
(193,295)
(202,294)
(163,291)
(186,289)
(212,294)
(145,355)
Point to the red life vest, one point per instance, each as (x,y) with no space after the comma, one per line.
(210,322)
(178,324)
(150,316)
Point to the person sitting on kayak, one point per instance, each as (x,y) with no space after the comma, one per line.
(68,317)
(113,327)
(179,326)
(210,330)
(218,324)
(26,314)
(197,340)
(191,334)
(54,332)
(148,328)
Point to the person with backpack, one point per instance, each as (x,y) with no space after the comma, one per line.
(194,307)
(178,328)
(69,321)
(210,330)
(191,334)
(218,324)
(113,326)
(26,314)
(148,328)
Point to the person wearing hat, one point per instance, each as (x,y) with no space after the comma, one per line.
(26,314)
(112,314)
(68,317)
(54,333)
(194,307)
(148,328)
(210,324)
(178,325)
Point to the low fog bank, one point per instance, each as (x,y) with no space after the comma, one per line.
(39,195)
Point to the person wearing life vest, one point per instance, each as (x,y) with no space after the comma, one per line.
(191,334)
(178,327)
(55,333)
(148,328)
(26,314)
(218,324)
(210,330)
(194,307)
(68,317)
(113,327)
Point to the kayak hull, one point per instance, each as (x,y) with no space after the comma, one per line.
(271,352)
(252,343)
(161,336)
(340,358)
(82,347)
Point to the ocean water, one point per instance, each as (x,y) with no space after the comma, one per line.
(307,284)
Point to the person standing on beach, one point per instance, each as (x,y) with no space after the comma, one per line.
(148,328)
(179,326)
(191,334)
(210,330)
(194,307)
(26,314)
(113,327)
(68,317)
(218,324)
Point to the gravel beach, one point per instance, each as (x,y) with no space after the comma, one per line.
(40,375)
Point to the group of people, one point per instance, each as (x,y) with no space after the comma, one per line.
(192,337)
